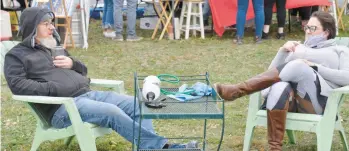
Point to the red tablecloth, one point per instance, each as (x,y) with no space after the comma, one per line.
(224,11)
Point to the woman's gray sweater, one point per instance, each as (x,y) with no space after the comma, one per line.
(332,62)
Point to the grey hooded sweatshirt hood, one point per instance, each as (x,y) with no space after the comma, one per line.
(29,21)
(29,67)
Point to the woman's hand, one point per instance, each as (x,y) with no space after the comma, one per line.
(290,46)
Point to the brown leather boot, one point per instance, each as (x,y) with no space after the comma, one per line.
(257,83)
(304,106)
(276,127)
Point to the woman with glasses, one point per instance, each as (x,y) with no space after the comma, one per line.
(299,78)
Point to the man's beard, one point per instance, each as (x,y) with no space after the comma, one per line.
(49,42)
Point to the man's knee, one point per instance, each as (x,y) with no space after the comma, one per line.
(108,110)
(125,102)
(110,95)
(95,108)
(104,116)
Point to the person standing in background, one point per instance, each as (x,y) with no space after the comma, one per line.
(108,19)
(281,17)
(207,12)
(131,20)
(241,19)
(314,9)
(304,14)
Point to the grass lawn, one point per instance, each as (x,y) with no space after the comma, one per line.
(225,61)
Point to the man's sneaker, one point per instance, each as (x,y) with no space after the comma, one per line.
(118,37)
(134,38)
(191,144)
(110,34)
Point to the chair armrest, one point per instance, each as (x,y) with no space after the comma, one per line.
(336,99)
(68,102)
(343,90)
(42,99)
(255,101)
(253,107)
(117,86)
(254,104)
(332,108)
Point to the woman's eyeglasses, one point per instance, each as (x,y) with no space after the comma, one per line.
(310,28)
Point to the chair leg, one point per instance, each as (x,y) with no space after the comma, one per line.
(340,11)
(202,30)
(182,18)
(194,9)
(324,139)
(17,18)
(291,137)
(160,15)
(68,140)
(168,20)
(341,130)
(38,139)
(344,140)
(187,27)
(87,141)
(65,39)
(36,144)
(70,32)
(248,136)
(289,20)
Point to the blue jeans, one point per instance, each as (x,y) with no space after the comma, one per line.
(207,10)
(108,12)
(131,16)
(258,6)
(108,109)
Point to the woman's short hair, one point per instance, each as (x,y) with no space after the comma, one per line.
(328,23)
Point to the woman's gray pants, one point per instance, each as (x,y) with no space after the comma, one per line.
(299,78)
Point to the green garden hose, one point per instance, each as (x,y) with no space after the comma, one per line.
(174,80)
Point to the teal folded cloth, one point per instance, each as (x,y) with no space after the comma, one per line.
(197,91)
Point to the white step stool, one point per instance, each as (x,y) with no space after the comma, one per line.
(192,8)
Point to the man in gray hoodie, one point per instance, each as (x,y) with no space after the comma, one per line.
(32,68)
(299,78)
